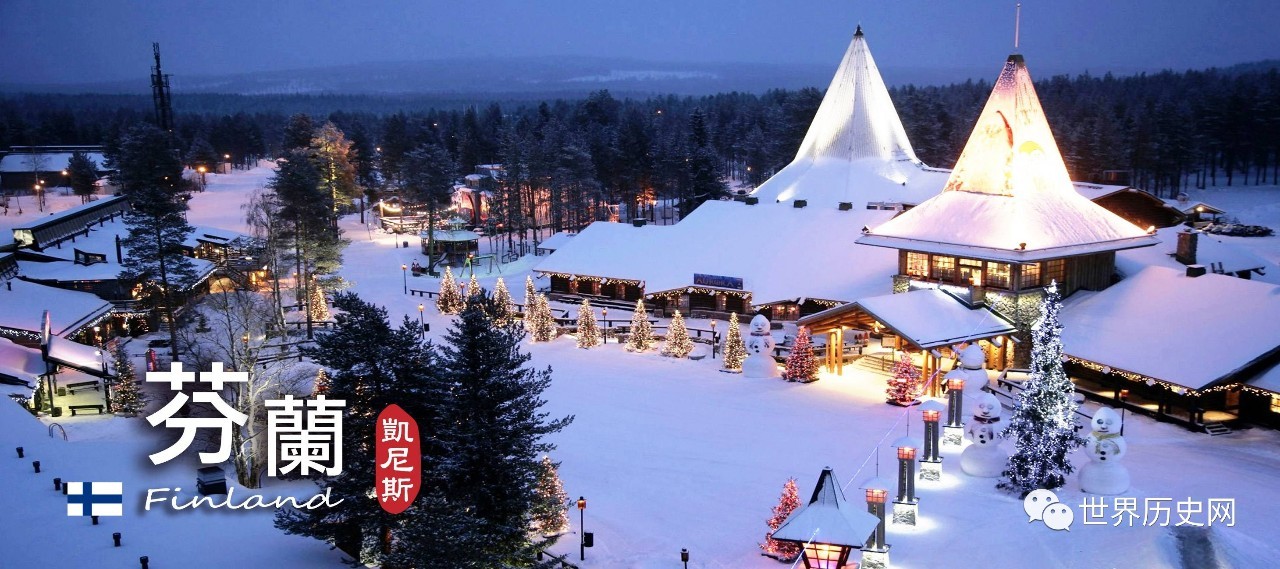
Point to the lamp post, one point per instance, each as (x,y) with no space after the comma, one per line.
(404,275)
(713,339)
(875,549)
(66,178)
(906,505)
(1124,397)
(931,462)
(201,169)
(604,317)
(582,520)
(684,557)
(227,158)
(422,329)
(97,336)
(954,431)
(39,199)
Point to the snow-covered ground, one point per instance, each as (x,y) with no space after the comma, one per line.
(669,454)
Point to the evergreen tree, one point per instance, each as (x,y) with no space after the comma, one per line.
(785,551)
(677,344)
(493,431)
(588,332)
(544,324)
(149,174)
(550,507)
(127,398)
(298,133)
(332,154)
(473,286)
(450,299)
(1043,422)
(904,386)
(321,383)
(641,338)
(372,365)
(529,292)
(426,176)
(735,350)
(801,365)
(202,154)
(82,175)
(317,306)
(504,308)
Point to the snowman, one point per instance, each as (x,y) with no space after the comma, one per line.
(759,362)
(1105,446)
(984,458)
(973,370)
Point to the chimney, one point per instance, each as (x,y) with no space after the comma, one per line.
(752,200)
(845,206)
(799,203)
(977,296)
(1186,251)
(1194,271)
(639,222)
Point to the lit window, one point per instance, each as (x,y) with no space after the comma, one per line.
(1275,403)
(971,272)
(1055,271)
(918,265)
(998,275)
(944,268)
(1030,276)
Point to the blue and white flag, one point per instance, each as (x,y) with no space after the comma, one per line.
(95,499)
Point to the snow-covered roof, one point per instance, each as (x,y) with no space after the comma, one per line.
(74,354)
(1192,206)
(1009,196)
(1163,324)
(727,238)
(855,149)
(828,518)
(213,235)
(100,240)
(1212,251)
(20,362)
(1269,379)
(22,306)
(926,317)
(1097,191)
(556,241)
(53,161)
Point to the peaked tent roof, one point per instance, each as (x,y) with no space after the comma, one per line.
(828,518)
(856,149)
(1009,195)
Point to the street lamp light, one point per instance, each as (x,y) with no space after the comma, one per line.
(201,169)
(604,316)
(713,339)
(422,329)
(1123,396)
(582,520)
(684,557)
(404,275)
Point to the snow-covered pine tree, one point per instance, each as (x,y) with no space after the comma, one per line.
(551,505)
(677,344)
(1043,422)
(801,365)
(641,337)
(317,306)
(127,398)
(504,308)
(529,292)
(541,321)
(735,351)
(785,551)
(904,386)
(588,332)
(321,383)
(450,299)
(473,286)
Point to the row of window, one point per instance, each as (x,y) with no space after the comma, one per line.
(983,273)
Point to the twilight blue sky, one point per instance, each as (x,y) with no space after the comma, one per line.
(60,41)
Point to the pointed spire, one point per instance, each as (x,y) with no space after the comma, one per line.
(1010,192)
(827,518)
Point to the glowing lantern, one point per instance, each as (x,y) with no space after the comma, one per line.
(827,527)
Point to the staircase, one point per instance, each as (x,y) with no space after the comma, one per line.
(1215,429)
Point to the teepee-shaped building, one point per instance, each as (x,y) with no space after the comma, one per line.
(856,150)
(1008,221)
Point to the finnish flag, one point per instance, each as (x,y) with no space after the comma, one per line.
(95,499)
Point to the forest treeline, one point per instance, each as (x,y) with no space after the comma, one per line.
(1161,132)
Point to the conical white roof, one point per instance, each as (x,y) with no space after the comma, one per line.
(856,149)
(828,518)
(1009,196)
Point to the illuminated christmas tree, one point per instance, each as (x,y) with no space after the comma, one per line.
(550,504)
(904,386)
(504,308)
(785,551)
(543,324)
(801,365)
(530,295)
(678,344)
(641,330)
(321,383)
(588,332)
(1043,423)
(735,351)
(450,299)
(317,306)
(473,286)
(127,398)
